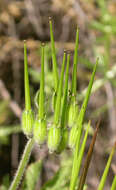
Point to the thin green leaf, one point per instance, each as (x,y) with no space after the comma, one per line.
(59,95)
(41,94)
(105,173)
(55,70)
(85,102)
(27,90)
(78,160)
(88,93)
(88,159)
(113,187)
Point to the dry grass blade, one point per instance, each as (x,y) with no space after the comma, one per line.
(88,159)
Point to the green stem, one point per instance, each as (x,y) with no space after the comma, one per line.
(22,165)
(27,90)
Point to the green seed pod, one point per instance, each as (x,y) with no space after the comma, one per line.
(64,141)
(40,131)
(27,122)
(72,137)
(72,113)
(54,137)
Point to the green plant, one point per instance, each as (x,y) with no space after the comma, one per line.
(64,105)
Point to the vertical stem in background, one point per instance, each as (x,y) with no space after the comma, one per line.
(22,165)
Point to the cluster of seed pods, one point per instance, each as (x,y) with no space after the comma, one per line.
(64,128)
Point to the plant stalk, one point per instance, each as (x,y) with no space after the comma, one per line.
(22,164)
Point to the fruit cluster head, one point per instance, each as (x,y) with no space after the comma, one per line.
(66,126)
